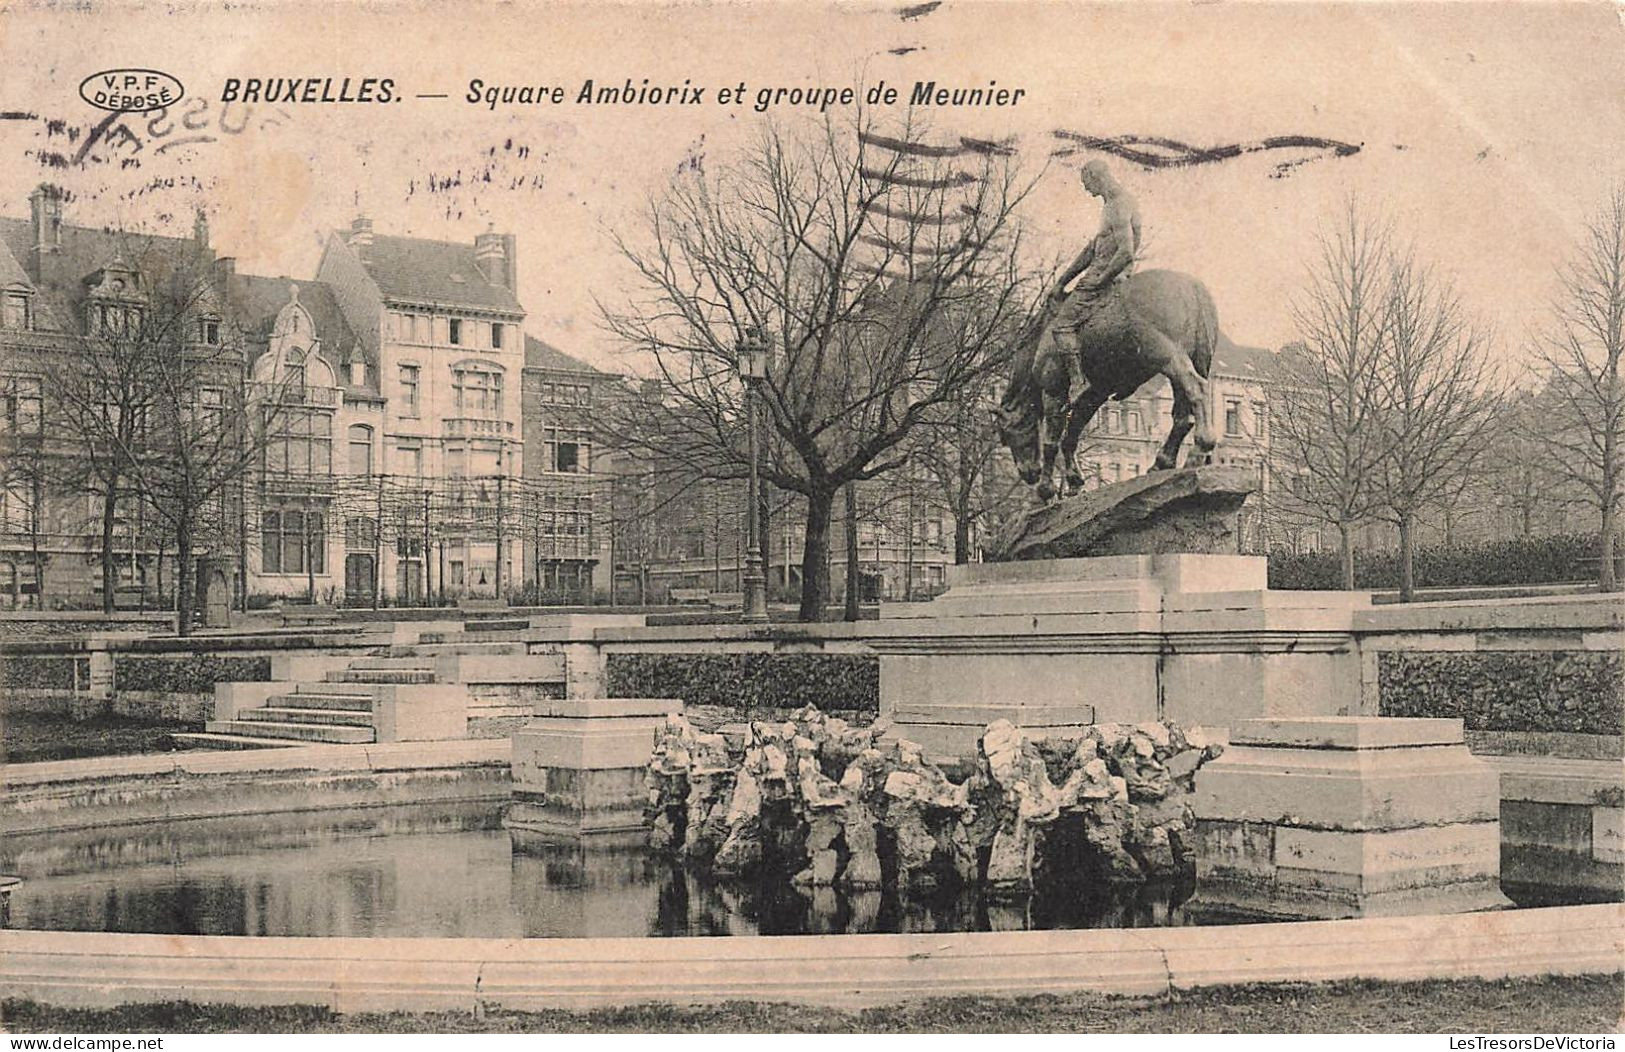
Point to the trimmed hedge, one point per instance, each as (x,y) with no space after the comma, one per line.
(1577,691)
(189,674)
(43,672)
(833,682)
(1517,560)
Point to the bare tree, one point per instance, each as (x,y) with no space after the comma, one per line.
(165,400)
(102,397)
(1580,359)
(27,471)
(1326,447)
(1435,401)
(846,252)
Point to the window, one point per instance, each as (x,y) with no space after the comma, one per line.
(112,319)
(566,451)
(293,541)
(301,443)
(496,336)
(476,391)
(360,532)
(21,407)
(208,330)
(1133,421)
(1260,420)
(16,311)
(1232,416)
(456,462)
(360,449)
(409,390)
(411,458)
(211,406)
(454,331)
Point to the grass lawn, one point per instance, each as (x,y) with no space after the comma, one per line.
(1587,1004)
(30,736)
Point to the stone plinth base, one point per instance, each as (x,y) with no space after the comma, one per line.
(1061,643)
(1347,817)
(578,769)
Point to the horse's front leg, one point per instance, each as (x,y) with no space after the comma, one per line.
(1055,419)
(1083,409)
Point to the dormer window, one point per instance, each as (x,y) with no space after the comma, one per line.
(16,311)
(209,331)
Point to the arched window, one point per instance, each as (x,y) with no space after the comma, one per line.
(360,449)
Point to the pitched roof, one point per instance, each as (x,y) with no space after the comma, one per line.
(83,251)
(1247,363)
(540,354)
(256,301)
(11,269)
(424,271)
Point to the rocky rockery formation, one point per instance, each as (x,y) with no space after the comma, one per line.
(830,804)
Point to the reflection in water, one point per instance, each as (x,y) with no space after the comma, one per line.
(451,871)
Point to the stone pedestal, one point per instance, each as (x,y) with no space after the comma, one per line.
(578,768)
(1347,817)
(1198,639)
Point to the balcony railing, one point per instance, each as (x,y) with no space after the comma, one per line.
(476,427)
(287,394)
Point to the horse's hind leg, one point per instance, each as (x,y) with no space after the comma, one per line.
(1168,456)
(1192,385)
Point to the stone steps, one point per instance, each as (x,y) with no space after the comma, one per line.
(321,700)
(467,648)
(382,675)
(277,714)
(204,740)
(305,732)
(409,662)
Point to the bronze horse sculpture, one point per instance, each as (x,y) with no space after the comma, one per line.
(1150,322)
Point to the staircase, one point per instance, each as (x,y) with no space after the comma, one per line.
(356,704)
(338,710)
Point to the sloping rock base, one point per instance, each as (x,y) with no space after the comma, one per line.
(831,805)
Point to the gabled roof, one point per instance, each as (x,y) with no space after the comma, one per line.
(424,271)
(11,269)
(83,251)
(539,354)
(256,301)
(1247,363)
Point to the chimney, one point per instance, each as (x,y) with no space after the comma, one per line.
(45,209)
(225,268)
(200,229)
(360,232)
(491,256)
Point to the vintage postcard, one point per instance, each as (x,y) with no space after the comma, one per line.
(768,516)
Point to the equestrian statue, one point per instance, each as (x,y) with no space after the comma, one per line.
(1115,330)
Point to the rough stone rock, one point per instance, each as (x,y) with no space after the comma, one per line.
(863,858)
(1191,510)
(766,796)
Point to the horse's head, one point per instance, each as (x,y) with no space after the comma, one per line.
(1017,425)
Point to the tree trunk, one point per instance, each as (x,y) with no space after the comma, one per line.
(1407,559)
(815,556)
(852,582)
(1345,535)
(1606,580)
(961,539)
(184,599)
(109,567)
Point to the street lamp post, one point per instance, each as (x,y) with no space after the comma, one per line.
(753,359)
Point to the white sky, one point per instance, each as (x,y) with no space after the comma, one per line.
(1489,131)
